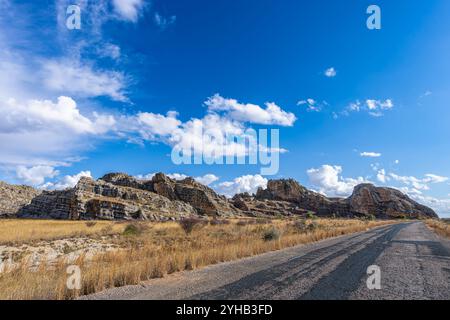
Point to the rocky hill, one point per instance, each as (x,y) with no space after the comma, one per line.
(366,200)
(118,196)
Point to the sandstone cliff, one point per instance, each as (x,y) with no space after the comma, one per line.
(13,198)
(366,200)
(118,196)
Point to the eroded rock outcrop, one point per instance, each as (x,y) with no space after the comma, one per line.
(386,203)
(13,198)
(118,196)
(366,200)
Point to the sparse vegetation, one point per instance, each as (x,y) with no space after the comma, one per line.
(162,249)
(188,224)
(15,231)
(271,234)
(310,215)
(441,227)
(134,229)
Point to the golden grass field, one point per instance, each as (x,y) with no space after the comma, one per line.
(440,227)
(14,231)
(154,249)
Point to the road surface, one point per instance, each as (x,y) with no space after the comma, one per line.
(414,264)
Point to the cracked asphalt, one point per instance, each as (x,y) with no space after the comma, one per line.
(414,264)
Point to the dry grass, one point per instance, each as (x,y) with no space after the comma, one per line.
(440,227)
(16,231)
(164,248)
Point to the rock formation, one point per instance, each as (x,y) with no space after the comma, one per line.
(118,196)
(13,198)
(366,200)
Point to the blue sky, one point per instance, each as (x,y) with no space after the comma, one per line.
(351,104)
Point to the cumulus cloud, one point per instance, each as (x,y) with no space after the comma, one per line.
(35,176)
(207,179)
(65,182)
(42,131)
(370,154)
(329,181)
(247,183)
(37,115)
(381,176)
(128,10)
(330,72)
(441,206)
(271,115)
(157,124)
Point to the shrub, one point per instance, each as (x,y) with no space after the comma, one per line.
(313,226)
(271,234)
(90,224)
(134,229)
(310,215)
(188,224)
(300,226)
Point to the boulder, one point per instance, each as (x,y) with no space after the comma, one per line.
(386,203)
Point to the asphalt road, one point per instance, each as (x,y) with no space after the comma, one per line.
(414,263)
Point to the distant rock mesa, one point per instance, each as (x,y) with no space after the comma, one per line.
(118,196)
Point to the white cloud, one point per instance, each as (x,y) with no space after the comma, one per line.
(157,124)
(426,94)
(163,22)
(110,50)
(312,105)
(207,179)
(72,77)
(42,131)
(329,181)
(66,181)
(35,175)
(419,183)
(128,9)
(37,115)
(330,72)
(370,154)
(271,115)
(378,104)
(441,206)
(247,183)
(374,107)
(433,178)
(382,177)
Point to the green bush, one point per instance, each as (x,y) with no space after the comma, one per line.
(310,215)
(271,234)
(134,229)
